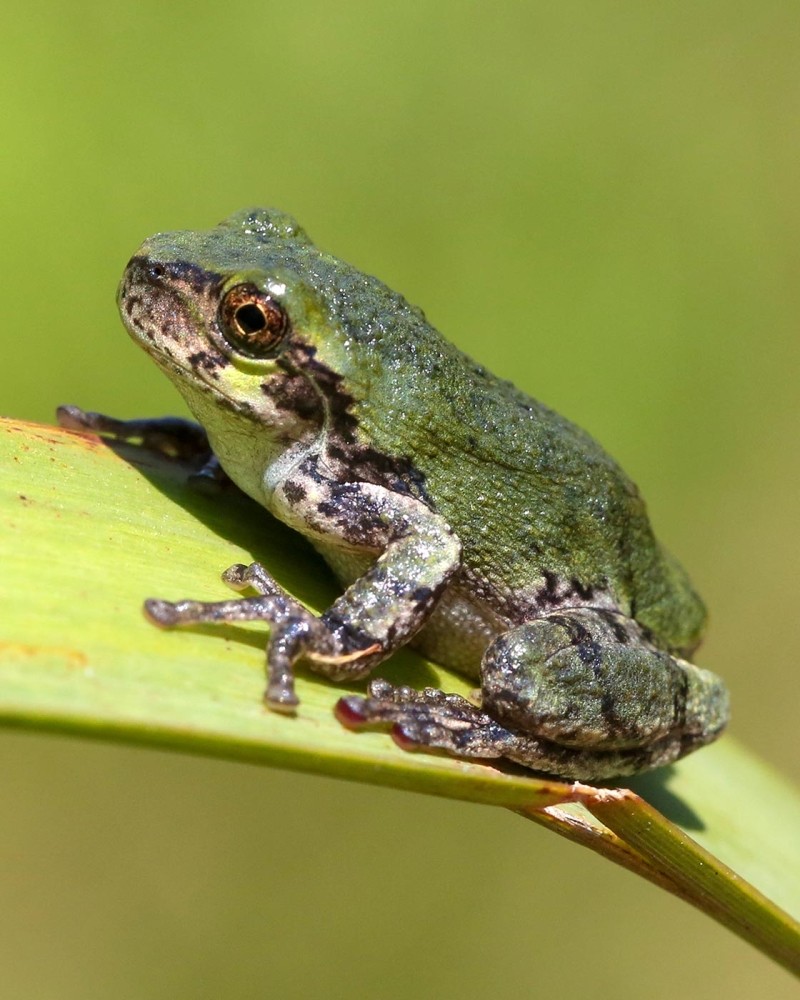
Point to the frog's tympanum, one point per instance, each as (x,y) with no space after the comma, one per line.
(460,515)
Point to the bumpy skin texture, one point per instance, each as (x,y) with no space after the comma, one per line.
(460,514)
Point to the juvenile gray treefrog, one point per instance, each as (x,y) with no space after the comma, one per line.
(460,515)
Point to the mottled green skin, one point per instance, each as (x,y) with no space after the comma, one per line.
(524,489)
(511,546)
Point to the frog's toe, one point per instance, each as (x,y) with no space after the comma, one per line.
(461,740)
(164,614)
(240,577)
(428,719)
(386,703)
(72,418)
(210,479)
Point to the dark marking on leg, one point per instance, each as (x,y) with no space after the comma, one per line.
(548,594)
(294,491)
(618,630)
(584,592)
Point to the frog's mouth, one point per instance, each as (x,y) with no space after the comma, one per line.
(163,304)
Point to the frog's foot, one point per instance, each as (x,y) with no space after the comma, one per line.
(433,720)
(290,624)
(294,631)
(256,576)
(429,719)
(171,436)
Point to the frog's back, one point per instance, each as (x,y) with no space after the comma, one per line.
(545,515)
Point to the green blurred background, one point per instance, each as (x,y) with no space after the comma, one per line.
(598,199)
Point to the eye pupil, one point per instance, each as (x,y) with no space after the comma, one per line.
(250,319)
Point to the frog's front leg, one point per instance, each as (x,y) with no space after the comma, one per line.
(377,613)
(289,620)
(577,693)
(173,436)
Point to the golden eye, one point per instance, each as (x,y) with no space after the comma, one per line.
(253,322)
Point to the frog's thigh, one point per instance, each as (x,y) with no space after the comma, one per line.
(586,678)
(577,694)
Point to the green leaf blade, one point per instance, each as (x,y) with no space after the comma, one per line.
(88,530)
(88,535)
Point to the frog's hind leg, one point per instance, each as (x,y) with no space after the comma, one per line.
(578,693)
(432,720)
(428,719)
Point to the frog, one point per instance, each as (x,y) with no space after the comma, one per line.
(460,516)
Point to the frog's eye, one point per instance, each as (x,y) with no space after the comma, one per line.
(252,322)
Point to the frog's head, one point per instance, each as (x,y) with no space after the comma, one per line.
(252,320)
